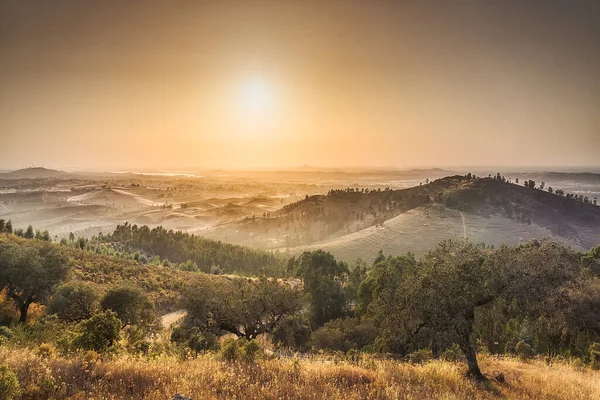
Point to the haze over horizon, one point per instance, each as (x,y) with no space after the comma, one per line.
(125,85)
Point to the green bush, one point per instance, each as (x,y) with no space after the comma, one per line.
(250,350)
(420,356)
(452,353)
(524,350)
(6,332)
(292,331)
(100,332)
(230,350)
(75,302)
(9,384)
(595,355)
(195,338)
(344,334)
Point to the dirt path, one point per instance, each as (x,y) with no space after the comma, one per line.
(169,319)
(462,215)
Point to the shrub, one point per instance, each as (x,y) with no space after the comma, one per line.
(292,331)
(524,350)
(250,350)
(100,332)
(195,338)
(344,334)
(6,332)
(91,357)
(75,302)
(230,350)
(452,353)
(595,355)
(131,306)
(420,356)
(9,384)
(46,350)
(353,356)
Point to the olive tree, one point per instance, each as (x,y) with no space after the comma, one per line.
(441,294)
(30,271)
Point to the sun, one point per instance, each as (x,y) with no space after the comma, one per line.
(256,97)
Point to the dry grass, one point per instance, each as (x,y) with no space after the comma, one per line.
(208,378)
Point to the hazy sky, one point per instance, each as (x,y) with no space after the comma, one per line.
(173,84)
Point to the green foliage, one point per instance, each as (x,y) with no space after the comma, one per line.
(344,334)
(251,350)
(420,356)
(9,384)
(452,353)
(230,350)
(30,271)
(6,332)
(240,350)
(442,292)
(292,331)
(179,247)
(594,350)
(323,279)
(195,338)
(244,307)
(131,306)
(75,301)
(100,332)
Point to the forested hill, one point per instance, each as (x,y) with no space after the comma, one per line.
(206,254)
(343,212)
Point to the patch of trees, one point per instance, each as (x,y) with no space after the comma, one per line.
(241,306)
(180,247)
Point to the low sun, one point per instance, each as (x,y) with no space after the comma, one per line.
(255,97)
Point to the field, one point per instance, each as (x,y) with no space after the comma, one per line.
(207,377)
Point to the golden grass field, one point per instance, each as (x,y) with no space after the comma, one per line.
(206,377)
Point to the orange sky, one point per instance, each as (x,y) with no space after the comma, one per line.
(116,84)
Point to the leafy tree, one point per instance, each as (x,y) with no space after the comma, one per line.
(100,332)
(131,306)
(74,302)
(9,227)
(2,226)
(243,307)
(30,272)
(29,233)
(323,279)
(442,293)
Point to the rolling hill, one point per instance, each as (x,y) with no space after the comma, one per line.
(33,173)
(356,223)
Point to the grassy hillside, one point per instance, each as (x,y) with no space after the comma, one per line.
(357,223)
(206,377)
(163,284)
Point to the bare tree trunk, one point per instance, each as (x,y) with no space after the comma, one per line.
(473,367)
(467,348)
(23,309)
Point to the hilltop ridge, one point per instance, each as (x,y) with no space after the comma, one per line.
(484,209)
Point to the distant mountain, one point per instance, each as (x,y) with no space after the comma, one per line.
(355,223)
(33,173)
